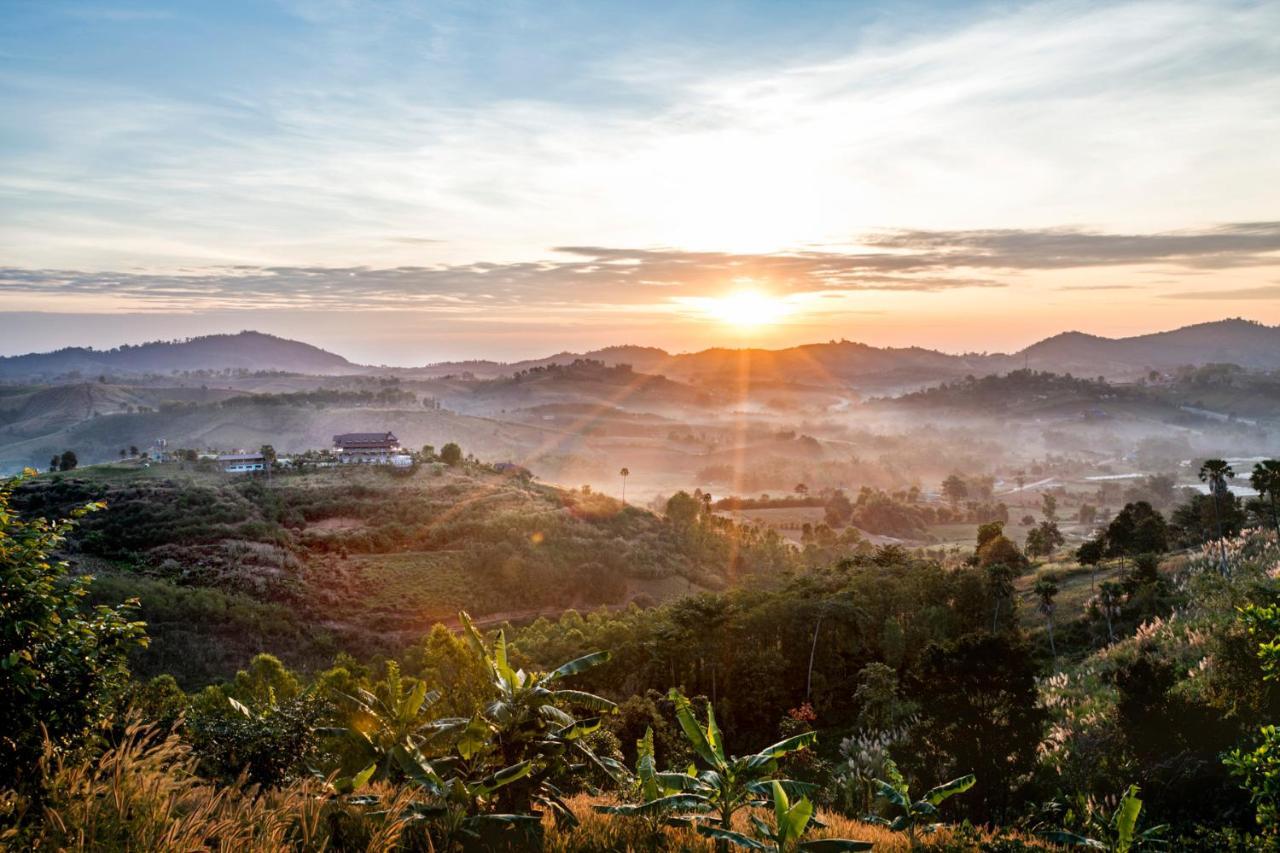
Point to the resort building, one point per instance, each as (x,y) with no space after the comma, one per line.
(366,448)
(241,463)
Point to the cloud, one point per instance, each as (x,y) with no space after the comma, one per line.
(904,261)
(1270,291)
(1233,245)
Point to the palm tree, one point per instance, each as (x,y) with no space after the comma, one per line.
(1216,472)
(1266,480)
(625,473)
(1046,590)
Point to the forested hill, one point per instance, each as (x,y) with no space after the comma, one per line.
(367,556)
(245,350)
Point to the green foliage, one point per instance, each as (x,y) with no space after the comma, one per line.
(62,664)
(1258,766)
(729,782)
(451,454)
(1114,833)
(790,823)
(914,817)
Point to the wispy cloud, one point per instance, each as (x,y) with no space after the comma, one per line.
(903,262)
(1266,292)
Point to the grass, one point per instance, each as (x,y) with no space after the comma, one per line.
(599,832)
(142,794)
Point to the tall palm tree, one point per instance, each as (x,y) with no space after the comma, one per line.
(1266,480)
(1216,472)
(625,473)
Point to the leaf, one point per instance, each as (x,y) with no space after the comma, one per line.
(473,636)
(413,704)
(239,706)
(661,805)
(505,777)
(692,731)
(1126,818)
(715,739)
(729,836)
(579,729)
(887,792)
(578,665)
(362,778)
(791,744)
(797,818)
(950,789)
(590,701)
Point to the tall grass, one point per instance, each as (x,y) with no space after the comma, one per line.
(142,794)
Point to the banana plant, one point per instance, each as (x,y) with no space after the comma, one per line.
(786,835)
(918,817)
(1115,834)
(731,783)
(464,791)
(527,721)
(661,796)
(388,720)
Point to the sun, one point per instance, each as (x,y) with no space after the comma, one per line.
(748,309)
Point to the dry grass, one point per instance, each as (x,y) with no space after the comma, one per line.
(602,832)
(142,795)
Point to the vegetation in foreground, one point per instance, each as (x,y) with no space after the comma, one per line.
(1148,721)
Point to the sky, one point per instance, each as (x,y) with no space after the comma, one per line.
(410,182)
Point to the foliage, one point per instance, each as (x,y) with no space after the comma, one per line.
(731,782)
(1117,833)
(913,818)
(62,664)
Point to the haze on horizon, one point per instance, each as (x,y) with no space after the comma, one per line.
(414,182)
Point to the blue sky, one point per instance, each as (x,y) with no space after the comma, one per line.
(177,166)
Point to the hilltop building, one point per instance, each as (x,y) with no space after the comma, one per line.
(366,448)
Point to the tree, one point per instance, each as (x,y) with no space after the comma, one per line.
(1049,507)
(1110,595)
(980,712)
(133,450)
(451,454)
(68,461)
(683,510)
(1216,472)
(1000,588)
(1137,529)
(1046,590)
(1043,540)
(63,663)
(624,473)
(802,489)
(1088,514)
(1090,554)
(268,458)
(53,463)
(1265,479)
(123,453)
(954,489)
(839,510)
(428,453)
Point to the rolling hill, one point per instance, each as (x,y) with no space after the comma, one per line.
(244,351)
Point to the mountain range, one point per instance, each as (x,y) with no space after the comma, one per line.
(1237,341)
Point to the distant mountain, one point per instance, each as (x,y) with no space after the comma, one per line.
(1242,342)
(247,350)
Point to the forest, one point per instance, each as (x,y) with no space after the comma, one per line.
(841,698)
